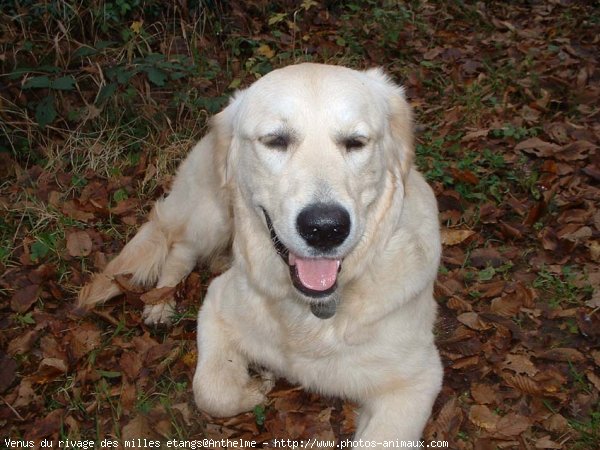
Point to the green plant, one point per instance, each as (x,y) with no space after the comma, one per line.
(563,287)
(24,319)
(589,431)
(477,176)
(259,414)
(511,131)
(45,244)
(45,108)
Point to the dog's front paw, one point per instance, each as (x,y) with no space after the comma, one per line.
(159,314)
(226,399)
(266,379)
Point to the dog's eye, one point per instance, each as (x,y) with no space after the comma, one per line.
(352,144)
(277,141)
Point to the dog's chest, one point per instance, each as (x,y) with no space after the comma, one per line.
(306,350)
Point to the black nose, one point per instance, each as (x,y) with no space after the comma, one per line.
(323,226)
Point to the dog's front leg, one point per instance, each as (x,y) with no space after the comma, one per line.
(222,385)
(400,412)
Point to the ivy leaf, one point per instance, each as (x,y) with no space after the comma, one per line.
(156,76)
(120,74)
(106,92)
(39,249)
(45,112)
(84,51)
(37,83)
(63,83)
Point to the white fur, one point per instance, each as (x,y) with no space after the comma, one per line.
(378,348)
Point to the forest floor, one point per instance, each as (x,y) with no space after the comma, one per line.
(99,103)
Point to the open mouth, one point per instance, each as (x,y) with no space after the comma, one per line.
(313,277)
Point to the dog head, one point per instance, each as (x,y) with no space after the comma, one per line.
(312,149)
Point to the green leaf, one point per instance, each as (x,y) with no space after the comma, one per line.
(39,250)
(156,76)
(37,83)
(259,414)
(20,71)
(178,75)
(134,158)
(4,252)
(487,274)
(45,112)
(84,51)
(47,68)
(108,374)
(341,42)
(63,83)
(235,83)
(212,104)
(78,181)
(101,45)
(151,58)
(76,114)
(107,91)
(119,195)
(120,74)
(276,18)
(26,319)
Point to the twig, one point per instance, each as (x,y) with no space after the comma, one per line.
(13,409)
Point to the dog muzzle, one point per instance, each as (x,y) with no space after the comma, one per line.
(315,278)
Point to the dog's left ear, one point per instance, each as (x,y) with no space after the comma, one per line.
(399,140)
(222,128)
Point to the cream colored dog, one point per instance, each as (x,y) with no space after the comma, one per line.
(336,245)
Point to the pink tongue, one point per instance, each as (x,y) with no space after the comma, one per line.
(316,274)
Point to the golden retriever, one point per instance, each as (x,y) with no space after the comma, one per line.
(308,175)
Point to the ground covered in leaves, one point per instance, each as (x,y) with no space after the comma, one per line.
(98,104)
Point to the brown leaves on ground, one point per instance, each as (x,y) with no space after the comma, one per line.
(79,243)
(506,98)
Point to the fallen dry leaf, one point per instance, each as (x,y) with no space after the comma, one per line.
(483,417)
(79,243)
(484,393)
(561,354)
(484,257)
(473,321)
(131,364)
(24,298)
(523,383)
(594,379)
(46,426)
(23,343)
(546,442)
(520,364)
(451,236)
(84,339)
(556,423)
(158,295)
(137,428)
(8,373)
(538,147)
(507,306)
(49,369)
(512,424)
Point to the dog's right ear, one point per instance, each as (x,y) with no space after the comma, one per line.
(400,146)
(222,126)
